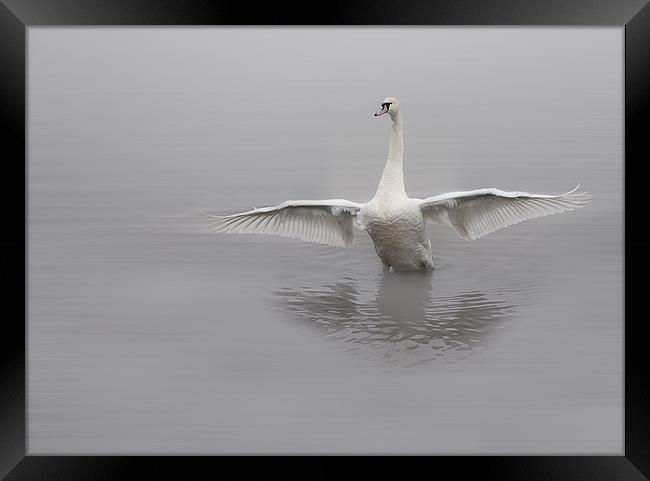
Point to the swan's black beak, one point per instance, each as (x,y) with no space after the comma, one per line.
(381,112)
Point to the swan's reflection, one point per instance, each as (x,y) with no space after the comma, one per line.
(403,322)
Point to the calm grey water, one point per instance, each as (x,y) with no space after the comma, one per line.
(150,334)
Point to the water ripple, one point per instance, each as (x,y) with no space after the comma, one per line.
(404,321)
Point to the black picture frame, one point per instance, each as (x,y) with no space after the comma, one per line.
(18,15)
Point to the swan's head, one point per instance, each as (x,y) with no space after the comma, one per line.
(390,105)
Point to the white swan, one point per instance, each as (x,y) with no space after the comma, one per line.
(395,222)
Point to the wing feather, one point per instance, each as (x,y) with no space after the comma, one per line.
(328,221)
(473,214)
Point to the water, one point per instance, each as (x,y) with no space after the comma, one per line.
(150,334)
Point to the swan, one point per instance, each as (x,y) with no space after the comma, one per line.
(395,222)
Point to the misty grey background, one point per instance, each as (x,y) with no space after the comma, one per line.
(149,334)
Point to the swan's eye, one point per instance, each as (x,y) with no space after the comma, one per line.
(385,105)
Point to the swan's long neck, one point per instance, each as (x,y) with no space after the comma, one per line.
(392,180)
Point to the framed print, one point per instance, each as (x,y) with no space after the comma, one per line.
(455,284)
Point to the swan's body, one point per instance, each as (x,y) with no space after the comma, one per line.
(397,229)
(396,223)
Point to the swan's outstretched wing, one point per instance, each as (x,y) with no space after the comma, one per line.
(476,213)
(328,221)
